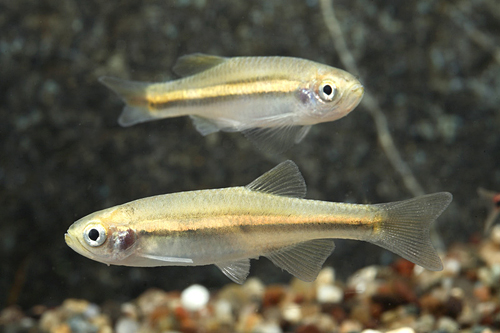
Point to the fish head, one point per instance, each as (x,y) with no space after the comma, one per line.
(331,94)
(103,236)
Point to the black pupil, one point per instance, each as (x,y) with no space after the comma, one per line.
(327,90)
(93,234)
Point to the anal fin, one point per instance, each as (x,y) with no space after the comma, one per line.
(237,271)
(303,260)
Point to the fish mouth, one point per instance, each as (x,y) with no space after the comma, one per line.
(70,241)
(76,245)
(356,94)
(358,89)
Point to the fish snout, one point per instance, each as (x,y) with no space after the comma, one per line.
(68,239)
(358,89)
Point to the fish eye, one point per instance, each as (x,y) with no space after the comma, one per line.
(94,235)
(327,91)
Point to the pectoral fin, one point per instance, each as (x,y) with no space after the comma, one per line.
(204,126)
(237,271)
(174,260)
(303,260)
(276,139)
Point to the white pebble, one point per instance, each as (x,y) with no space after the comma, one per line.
(447,324)
(329,294)
(452,266)
(267,328)
(402,330)
(223,311)
(292,313)
(254,288)
(126,325)
(495,234)
(195,297)
(495,273)
(326,276)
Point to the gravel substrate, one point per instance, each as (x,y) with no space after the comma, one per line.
(432,66)
(400,298)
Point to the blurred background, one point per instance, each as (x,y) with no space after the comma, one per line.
(432,66)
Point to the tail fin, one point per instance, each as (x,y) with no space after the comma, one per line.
(134,95)
(405,231)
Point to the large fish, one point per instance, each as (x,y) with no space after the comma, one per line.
(274,101)
(269,217)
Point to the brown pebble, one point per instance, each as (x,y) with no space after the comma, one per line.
(308,329)
(349,326)
(63,328)
(11,314)
(482,293)
(453,307)
(76,306)
(338,313)
(158,314)
(490,253)
(376,310)
(404,267)
(403,289)
(431,304)
(361,312)
(273,296)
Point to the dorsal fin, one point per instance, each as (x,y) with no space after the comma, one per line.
(195,63)
(284,180)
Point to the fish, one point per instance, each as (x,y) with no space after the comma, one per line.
(268,217)
(493,200)
(273,101)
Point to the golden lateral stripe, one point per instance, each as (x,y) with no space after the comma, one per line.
(223,90)
(253,223)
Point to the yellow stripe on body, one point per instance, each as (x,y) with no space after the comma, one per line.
(161,100)
(223,224)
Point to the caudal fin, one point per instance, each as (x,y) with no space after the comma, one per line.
(405,231)
(134,95)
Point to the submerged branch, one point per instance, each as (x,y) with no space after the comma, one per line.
(477,36)
(369,102)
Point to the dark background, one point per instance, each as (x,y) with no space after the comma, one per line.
(433,67)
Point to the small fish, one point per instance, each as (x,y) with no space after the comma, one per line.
(274,101)
(493,201)
(269,217)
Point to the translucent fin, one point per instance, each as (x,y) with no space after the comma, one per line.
(195,63)
(237,271)
(133,94)
(168,259)
(302,133)
(493,200)
(204,126)
(276,139)
(490,220)
(405,231)
(284,180)
(303,260)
